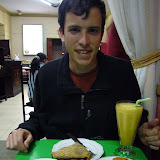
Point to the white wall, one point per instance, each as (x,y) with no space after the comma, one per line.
(50,30)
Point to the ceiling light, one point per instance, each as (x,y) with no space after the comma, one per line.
(46,2)
(19,12)
(53,3)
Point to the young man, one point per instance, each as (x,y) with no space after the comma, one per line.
(77,93)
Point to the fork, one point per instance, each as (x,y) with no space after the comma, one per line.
(75,139)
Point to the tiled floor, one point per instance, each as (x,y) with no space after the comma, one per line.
(11,114)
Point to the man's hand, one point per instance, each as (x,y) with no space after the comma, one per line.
(19,139)
(149,134)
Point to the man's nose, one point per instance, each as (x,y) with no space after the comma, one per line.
(84,39)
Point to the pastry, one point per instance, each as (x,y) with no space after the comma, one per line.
(75,151)
(120,158)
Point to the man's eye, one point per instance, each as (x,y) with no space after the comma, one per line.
(93,30)
(74,30)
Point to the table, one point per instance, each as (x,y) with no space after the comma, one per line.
(13,80)
(43,148)
(6,154)
(3,75)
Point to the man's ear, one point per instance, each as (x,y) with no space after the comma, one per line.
(61,34)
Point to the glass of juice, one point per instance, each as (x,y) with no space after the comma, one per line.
(128,116)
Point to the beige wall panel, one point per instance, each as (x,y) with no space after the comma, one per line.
(7,22)
(1,17)
(2,29)
(50,27)
(2,37)
(5,29)
(53,35)
(15,46)
(7,35)
(2,32)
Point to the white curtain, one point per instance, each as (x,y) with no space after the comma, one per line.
(138,26)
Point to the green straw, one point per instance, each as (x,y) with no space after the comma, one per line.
(142,100)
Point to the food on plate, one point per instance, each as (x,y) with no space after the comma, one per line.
(120,158)
(74,151)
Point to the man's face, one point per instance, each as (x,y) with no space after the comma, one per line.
(82,38)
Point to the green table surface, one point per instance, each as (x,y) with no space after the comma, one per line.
(43,148)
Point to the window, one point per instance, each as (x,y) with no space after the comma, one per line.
(32,39)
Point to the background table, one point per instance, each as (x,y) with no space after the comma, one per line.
(43,148)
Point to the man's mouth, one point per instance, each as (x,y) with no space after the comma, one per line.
(82,52)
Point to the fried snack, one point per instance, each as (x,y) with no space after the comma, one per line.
(120,158)
(74,151)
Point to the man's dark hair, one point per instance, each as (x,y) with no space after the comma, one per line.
(35,64)
(79,7)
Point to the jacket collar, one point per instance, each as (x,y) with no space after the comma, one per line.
(102,81)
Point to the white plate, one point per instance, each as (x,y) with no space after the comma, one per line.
(94,147)
(109,158)
(44,159)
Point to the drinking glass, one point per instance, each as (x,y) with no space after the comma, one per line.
(128,115)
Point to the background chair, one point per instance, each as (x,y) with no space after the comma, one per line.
(24,104)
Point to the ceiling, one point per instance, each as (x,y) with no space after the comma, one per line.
(28,7)
(32,7)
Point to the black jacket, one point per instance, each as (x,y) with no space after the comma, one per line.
(60,107)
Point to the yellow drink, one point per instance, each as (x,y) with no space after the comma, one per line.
(128,117)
